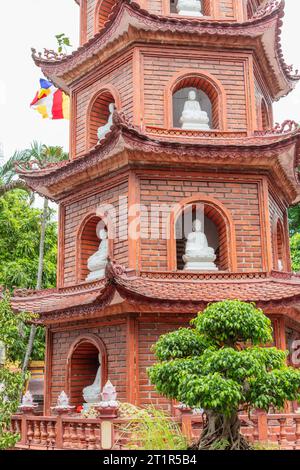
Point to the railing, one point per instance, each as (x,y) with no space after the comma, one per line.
(57,432)
(183,133)
(67,432)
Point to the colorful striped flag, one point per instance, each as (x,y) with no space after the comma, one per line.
(51,102)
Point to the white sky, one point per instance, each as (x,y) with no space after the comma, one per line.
(34,23)
(25,24)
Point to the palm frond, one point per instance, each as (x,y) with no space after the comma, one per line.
(8,170)
(18,184)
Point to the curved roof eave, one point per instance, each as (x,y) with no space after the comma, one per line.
(127,14)
(124,142)
(176,288)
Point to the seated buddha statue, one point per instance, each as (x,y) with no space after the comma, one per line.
(189,7)
(98,261)
(92,393)
(193,118)
(198,255)
(103,130)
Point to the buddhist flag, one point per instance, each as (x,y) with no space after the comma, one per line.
(51,102)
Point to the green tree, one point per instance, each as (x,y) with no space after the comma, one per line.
(220,366)
(11,379)
(41,155)
(20,226)
(295,251)
(294,219)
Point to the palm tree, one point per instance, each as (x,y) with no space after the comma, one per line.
(8,180)
(42,155)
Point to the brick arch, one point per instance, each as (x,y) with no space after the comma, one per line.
(82,365)
(220,216)
(98,112)
(265,117)
(87,241)
(102,11)
(204,81)
(280,245)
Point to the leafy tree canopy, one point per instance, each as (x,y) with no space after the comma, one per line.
(19,243)
(295,251)
(19,257)
(219,366)
(11,379)
(294,219)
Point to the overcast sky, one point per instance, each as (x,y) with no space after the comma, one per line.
(34,23)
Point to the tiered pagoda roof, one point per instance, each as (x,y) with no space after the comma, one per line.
(127,20)
(180,291)
(276,151)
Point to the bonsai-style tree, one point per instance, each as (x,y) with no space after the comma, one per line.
(219,365)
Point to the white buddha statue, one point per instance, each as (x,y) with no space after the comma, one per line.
(98,261)
(103,130)
(92,393)
(189,7)
(193,118)
(198,255)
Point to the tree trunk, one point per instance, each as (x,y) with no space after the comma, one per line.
(221,432)
(38,283)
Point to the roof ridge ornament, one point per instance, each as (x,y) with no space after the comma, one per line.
(48,54)
(287,127)
(113,269)
(268,8)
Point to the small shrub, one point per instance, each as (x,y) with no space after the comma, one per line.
(265,446)
(152,429)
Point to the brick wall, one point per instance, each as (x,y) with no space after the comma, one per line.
(276,213)
(76,213)
(149,333)
(114,338)
(121,78)
(91,5)
(226,7)
(259,96)
(159,70)
(240,198)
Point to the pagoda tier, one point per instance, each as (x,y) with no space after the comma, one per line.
(169,115)
(128,24)
(126,291)
(275,152)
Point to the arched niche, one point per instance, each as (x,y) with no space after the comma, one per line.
(210,94)
(265,118)
(280,247)
(88,242)
(83,364)
(218,227)
(102,12)
(98,112)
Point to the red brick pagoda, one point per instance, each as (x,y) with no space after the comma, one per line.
(192,85)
